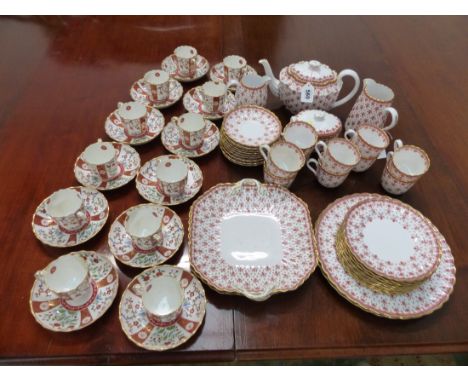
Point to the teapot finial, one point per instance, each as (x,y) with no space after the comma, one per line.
(319,115)
(315,65)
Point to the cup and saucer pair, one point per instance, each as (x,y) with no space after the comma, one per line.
(190,135)
(185,64)
(107,165)
(157,89)
(162,308)
(212,100)
(134,123)
(73,291)
(232,67)
(146,235)
(169,180)
(70,216)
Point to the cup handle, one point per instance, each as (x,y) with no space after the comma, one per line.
(398,144)
(39,275)
(81,214)
(310,167)
(265,151)
(175,120)
(233,83)
(158,237)
(357,82)
(349,134)
(119,105)
(320,146)
(389,155)
(394,114)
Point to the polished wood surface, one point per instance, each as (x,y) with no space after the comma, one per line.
(61,77)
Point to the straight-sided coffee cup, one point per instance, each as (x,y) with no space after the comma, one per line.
(186,60)
(192,127)
(302,134)
(172,173)
(282,159)
(67,209)
(133,116)
(325,178)
(101,157)
(213,94)
(338,156)
(144,226)
(157,85)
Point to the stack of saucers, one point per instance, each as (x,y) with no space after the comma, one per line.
(244,130)
(384,256)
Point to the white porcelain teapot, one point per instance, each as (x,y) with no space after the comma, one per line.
(310,85)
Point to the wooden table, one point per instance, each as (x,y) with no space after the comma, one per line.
(61,77)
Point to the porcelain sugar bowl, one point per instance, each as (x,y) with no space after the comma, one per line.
(310,85)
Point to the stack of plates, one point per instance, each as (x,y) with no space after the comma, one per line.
(244,130)
(384,256)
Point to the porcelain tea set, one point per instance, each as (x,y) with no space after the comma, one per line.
(242,235)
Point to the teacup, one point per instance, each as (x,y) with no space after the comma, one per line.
(282,159)
(370,140)
(372,107)
(407,163)
(101,157)
(157,84)
(325,178)
(133,116)
(302,134)
(213,94)
(394,185)
(234,68)
(172,173)
(191,128)
(68,277)
(280,181)
(251,89)
(338,156)
(144,226)
(66,208)
(186,60)
(162,299)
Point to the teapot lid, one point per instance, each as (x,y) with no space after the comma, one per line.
(326,124)
(312,71)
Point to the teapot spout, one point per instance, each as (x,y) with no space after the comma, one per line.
(274,82)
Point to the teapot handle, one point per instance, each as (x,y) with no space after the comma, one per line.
(357,82)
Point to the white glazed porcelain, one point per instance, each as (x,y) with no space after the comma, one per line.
(393,184)
(213,96)
(144,226)
(407,163)
(171,65)
(302,134)
(372,107)
(67,209)
(323,83)
(60,313)
(325,178)
(172,172)
(326,124)
(101,157)
(234,67)
(141,92)
(423,300)
(128,161)
(280,181)
(251,89)
(338,156)
(150,186)
(244,238)
(282,159)
(150,332)
(116,129)
(172,140)
(186,60)
(133,116)
(123,246)
(94,207)
(217,72)
(191,129)
(156,83)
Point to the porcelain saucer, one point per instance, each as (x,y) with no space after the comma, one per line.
(194,104)
(55,314)
(121,245)
(139,93)
(128,158)
(217,72)
(141,331)
(148,186)
(115,128)
(170,66)
(429,296)
(48,232)
(170,138)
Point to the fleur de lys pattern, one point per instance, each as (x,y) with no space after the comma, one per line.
(267,126)
(48,232)
(169,65)
(426,298)
(142,332)
(171,140)
(54,314)
(115,129)
(425,254)
(129,161)
(121,245)
(367,111)
(149,187)
(193,103)
(140,92)
(298,258)
(393,185)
